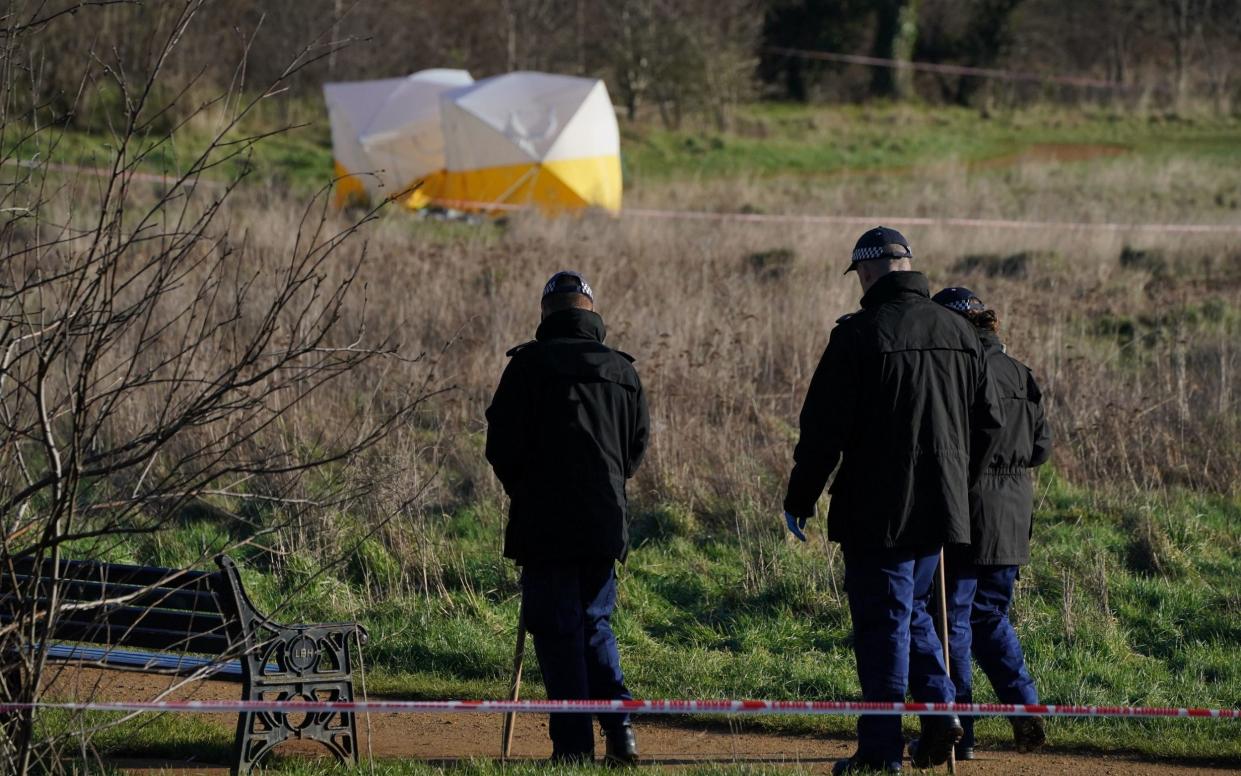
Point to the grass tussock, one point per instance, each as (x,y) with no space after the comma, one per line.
(1131,596)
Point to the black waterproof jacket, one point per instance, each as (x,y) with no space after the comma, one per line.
(1002,503)
(567,426)
(902,400)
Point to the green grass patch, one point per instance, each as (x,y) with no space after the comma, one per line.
(1127,601)
(807,140)
(765,139)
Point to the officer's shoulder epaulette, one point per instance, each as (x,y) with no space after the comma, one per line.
(626,356)
(514,351)
(845,317)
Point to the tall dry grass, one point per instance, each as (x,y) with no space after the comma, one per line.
(1132,336)
(1131,333)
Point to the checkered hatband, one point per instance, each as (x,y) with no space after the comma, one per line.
(966,305)
(555,285)
(879,252)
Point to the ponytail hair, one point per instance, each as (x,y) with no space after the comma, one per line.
(983,320)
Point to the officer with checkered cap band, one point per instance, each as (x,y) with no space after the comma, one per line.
(902,402)
(568,425)
(980,577)
(879,243)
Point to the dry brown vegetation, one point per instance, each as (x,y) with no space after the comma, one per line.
(1131,334)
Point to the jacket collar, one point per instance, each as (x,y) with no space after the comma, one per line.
(895,284)
(572,324)
(991,341)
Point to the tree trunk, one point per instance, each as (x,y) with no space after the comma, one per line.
(984,42)
(895,37)
(581,36)
(510,36)
(331,57)
(1180,44)
(903,49)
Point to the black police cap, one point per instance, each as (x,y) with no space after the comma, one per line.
(877,244)
(568,282)
(959,299)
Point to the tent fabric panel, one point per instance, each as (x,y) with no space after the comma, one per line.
(359,100)
(413,102)
(520,184)
(592,131)
(351,104)
(424,192)
(471,144)
(595,179)
(529,109)
(491,98)
(350,190)
(403,160)
(405,141)
(346,151)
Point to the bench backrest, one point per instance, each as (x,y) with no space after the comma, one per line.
(126,606)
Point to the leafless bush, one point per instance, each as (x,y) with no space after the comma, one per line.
(155,354)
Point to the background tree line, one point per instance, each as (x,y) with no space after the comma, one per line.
(674,58)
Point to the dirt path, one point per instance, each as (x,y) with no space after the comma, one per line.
(1057,153)
(445,738)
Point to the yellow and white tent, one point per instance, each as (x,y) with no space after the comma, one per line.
(386,134)
(531,138)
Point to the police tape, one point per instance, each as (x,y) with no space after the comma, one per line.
(951,69)
(759,218)
(850,220)
(731,707)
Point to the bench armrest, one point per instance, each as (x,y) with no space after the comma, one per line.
(298,651)
(337,627)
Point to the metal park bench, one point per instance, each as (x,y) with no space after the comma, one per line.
(175,613)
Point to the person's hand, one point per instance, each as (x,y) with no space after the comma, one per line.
(795,524)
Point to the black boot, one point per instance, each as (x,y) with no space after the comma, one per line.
(961,752)
(939,736)
(1028,733)
(622,746)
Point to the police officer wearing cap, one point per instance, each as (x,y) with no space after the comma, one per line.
(567,426)
(901,400)
(981,576)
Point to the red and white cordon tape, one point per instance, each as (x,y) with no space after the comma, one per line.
(951,69)
(741,707)
(827,220)
(768,218)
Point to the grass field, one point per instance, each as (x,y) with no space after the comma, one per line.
(1127,601)
(767,140)
(1134,592)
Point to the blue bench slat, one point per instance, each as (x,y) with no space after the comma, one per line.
(144,660)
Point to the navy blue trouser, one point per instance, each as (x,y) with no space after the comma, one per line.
(894,641)
(978,600)
(568,609)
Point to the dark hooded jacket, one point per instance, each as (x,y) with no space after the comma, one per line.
(1002,503)
(567,426)
(902,401)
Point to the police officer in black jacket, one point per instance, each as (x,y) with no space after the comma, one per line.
(981,576)
(567,426)
(902,401)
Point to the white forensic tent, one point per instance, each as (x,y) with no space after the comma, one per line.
(386,134)
(531,138)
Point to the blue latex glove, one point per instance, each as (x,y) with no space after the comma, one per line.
(795,524)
